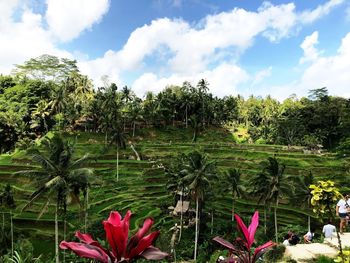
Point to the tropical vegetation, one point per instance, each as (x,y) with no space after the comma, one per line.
(71,152)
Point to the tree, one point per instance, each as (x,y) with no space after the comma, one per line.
(198,172)
(40,114)
(303,193)
(279,185)
(58,176)
(259,188)
(46,67)
(176,173)
(6,82)
(110,109)
(324,195)
(234,181)
(118,138)
(6,197)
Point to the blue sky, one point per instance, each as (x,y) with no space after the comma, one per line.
(240,46)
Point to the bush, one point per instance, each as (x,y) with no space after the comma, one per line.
(260,141)
(275,253)
(321,259)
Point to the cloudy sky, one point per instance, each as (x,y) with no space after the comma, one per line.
(243,47)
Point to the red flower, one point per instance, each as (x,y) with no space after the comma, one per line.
(123,250)
(241,248)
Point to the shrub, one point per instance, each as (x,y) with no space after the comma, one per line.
(275,253)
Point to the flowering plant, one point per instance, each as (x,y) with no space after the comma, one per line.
(240,250)
(123,250)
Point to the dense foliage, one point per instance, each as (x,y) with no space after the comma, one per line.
(48,93)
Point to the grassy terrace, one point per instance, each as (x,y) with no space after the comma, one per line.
(141,186)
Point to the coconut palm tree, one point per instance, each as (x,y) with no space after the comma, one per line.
(259,188)
(198,172)
(303,193)
(41,112)
(118,138)
(175,183)
(279,185)
(58,177)
(233,177)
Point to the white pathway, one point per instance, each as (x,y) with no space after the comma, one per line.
(329,248)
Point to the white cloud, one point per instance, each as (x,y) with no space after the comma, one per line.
(217,39)
(261,75)
(323,71)
(308,45)
(310,16)
(330,71)
(25,39)
(25,36)
(223,80)
(209,49)
(68,18)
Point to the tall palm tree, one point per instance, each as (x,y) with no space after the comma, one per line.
(259,188)
(199,171)
(303,193)
(280,185)
(110,109)
(234,179)
(41,112)
(175,183)
(58,177)
(118,138)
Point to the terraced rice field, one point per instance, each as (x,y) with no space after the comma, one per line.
(141,186)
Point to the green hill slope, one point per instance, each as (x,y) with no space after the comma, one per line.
(141,186)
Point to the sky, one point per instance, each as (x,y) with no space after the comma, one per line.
(277,47)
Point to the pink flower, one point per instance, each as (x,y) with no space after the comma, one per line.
(241,248)
(122,248)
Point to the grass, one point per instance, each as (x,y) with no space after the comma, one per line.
(141,187)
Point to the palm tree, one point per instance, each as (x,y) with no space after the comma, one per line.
(127,94)
(303,193)
(118,138)
(258,187)
(58,177)
(110,108)
(176,183)
(279,185)
(41,112)
(199,170)
(234,178)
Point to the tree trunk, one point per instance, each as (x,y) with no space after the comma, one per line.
(117,163)
(64,235)
(309,223)
(195,133)
(338,235)
(11,222)
(86,209)
(135,152)
(265,220)
(196,233)
(181,216)
(233,210)
(212,222)
(133,129)
(186,117)
(45,125)
(3,222)
(56,235)
(106,138)
(276,226)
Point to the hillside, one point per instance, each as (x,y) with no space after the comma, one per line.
(141,186)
